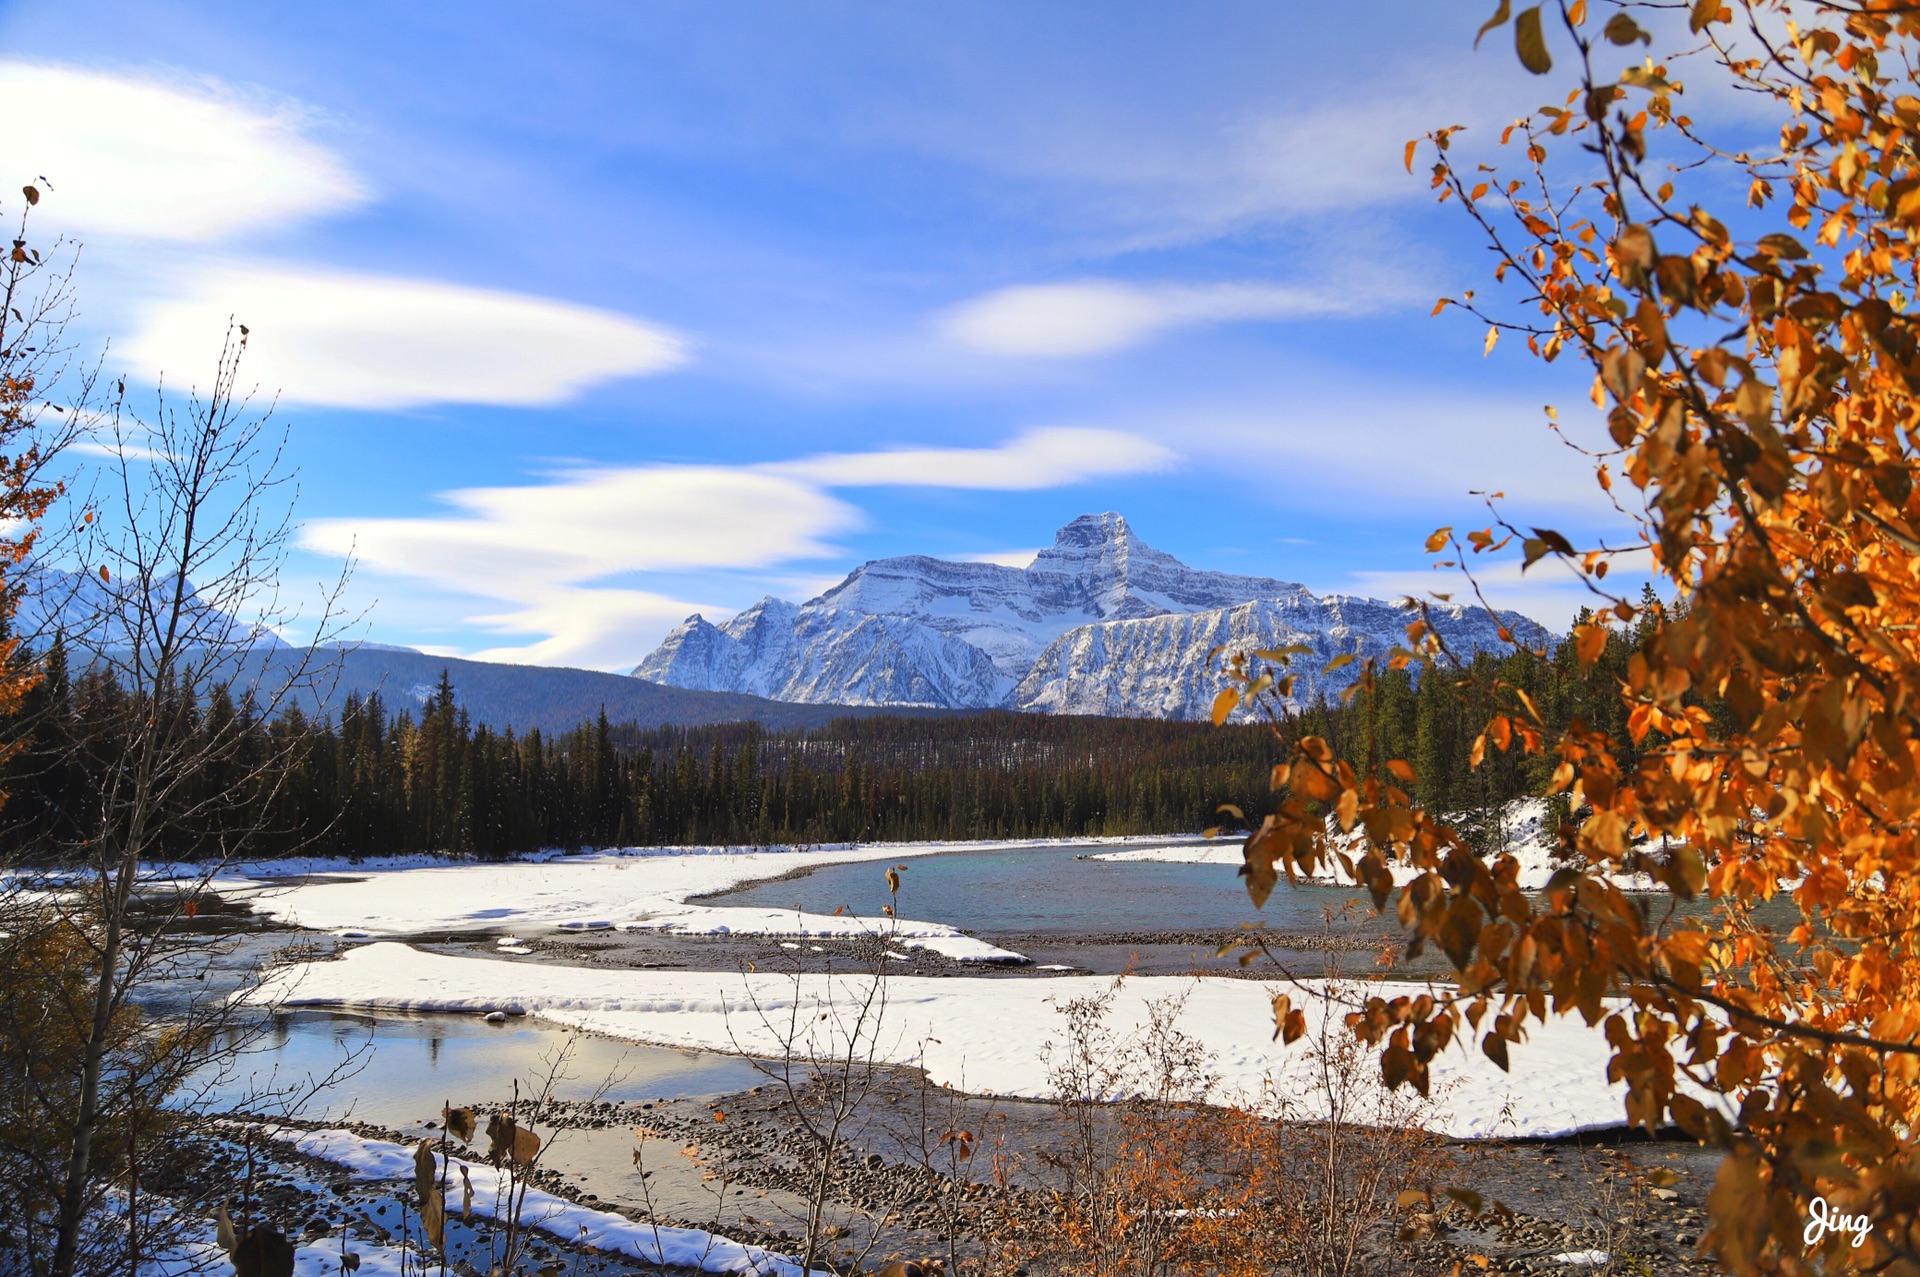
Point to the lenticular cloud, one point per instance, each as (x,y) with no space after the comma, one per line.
(369,341)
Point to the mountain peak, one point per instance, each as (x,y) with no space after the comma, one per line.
(1100,622)
(1090,530)
(1096,539)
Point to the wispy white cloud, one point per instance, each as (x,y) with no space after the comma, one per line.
(153,158)
(585,628)
(1045,458)
(132,158)
(558,552)
(373,341)
(1154,158)
(512,542)
(116,451)
(1101,316)
(1445,445)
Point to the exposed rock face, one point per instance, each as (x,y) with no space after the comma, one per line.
(1099,623)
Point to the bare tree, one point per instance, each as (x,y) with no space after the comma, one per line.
(832,1057)
(169,588)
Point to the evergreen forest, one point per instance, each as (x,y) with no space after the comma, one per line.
(383,780)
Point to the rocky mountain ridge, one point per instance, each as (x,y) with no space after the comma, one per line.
(1099,623)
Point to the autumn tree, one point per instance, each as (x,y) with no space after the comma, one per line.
(44,392)
(1755,373)
(161,571)
(185,533)
(35,307)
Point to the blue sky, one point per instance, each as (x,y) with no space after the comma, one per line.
(585,317)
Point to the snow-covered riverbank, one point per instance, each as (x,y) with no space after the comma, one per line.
(978,1034)
(640,889)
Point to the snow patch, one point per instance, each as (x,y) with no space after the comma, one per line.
(986,1035)
(673,1247)
(639,889)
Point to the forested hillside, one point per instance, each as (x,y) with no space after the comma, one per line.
(376,781)
(1434,720)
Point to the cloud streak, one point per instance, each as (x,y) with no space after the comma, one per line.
(374,341)
(156,159)
(1102,316)
(1045,458)
(560,552)
(133,159)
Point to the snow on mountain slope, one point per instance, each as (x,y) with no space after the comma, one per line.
(92,616)
(827,655)
(1098,623)
(1157,666)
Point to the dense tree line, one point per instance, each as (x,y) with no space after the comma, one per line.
(1433,720)
(380,781)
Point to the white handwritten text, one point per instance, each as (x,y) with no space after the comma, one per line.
(1822,1219)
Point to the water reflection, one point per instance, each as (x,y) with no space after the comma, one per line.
(396,1070)
(1052,889)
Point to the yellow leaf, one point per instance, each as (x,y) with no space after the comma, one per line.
(1486,347)
(1438,541)
(459,1123)
(1634,254)
(1704,12)
(1530,42)
(423,1168)
(433,1217)
(1412,144)
(1754,401)
(1622,30)
(1622,370)
(1500,15)
(1588,642)
(1223,702)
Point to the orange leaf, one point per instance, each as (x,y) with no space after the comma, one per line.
(1588,642)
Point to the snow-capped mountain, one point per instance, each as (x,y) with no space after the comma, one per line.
(1098,623)
(94,616)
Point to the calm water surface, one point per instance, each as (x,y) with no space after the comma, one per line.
(1048,890)
(408,1066)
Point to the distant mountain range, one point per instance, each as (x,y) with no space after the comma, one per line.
(91,617)
(524,697)
(1098,623)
